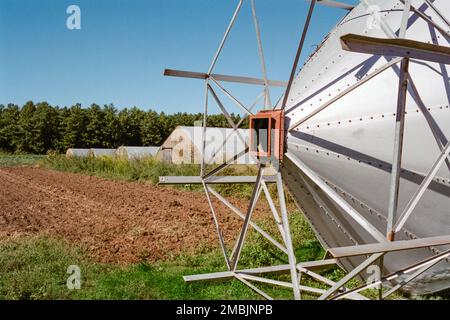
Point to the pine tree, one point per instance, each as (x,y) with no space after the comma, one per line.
(74,126)
(94,135)
(9,135)
(44,124)
(130,126)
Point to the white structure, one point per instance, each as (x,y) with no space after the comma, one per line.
(184,145)
(98,152)
(131,153)
(73,152)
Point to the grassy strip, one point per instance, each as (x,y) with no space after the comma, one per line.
(35,268)
(12,160)
(147,169)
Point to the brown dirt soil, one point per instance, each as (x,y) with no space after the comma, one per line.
(117,222)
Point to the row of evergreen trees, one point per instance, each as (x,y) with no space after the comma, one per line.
(38,128)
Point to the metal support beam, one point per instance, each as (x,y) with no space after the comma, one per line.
(222,108)
(242,216)
(204,124)
(267,102)
(317,264)
(258,194)
(233,98)
(223,78)
(318,277)
(392,246)
(238,124)
(421,267)
(226,275)
(424,266)
(299,51)
(405,18)
(287,232)
(380,286)
(216,224)
(437,133)
(280,283)
(351,275)
(422,188)
(336,4)
(213,179)
(225,36)
(251,207)
(428,20)
(251,274)
(398,149)
(396,47)
(251,286)
(225,164)
(278,269)
(227,115)
(274,211)
(440,15)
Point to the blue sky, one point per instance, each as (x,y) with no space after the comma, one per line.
(123,46)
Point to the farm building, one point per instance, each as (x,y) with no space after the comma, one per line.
(72,152)
(184,145)
(93,152)
(136,152)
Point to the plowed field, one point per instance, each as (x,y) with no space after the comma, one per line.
(117,222)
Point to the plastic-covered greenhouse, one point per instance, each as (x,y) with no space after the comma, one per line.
(73,152)
(136,152)
(93,152)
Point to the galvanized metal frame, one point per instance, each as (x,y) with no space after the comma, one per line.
(421,267)
(335,4)
(299,51)
(260,181)
(223,78)
(393,226)
(337,290)
(404,81)
(433,7)
(398,147)
(267,101)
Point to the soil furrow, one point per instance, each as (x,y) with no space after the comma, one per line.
(117,222)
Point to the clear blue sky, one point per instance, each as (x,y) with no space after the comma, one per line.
(123,46)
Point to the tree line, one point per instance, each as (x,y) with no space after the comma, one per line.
(39,127)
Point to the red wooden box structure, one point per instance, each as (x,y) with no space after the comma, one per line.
(267,135)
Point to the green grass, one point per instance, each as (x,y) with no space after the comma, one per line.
(13,160)
(147,169)
(35,268)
